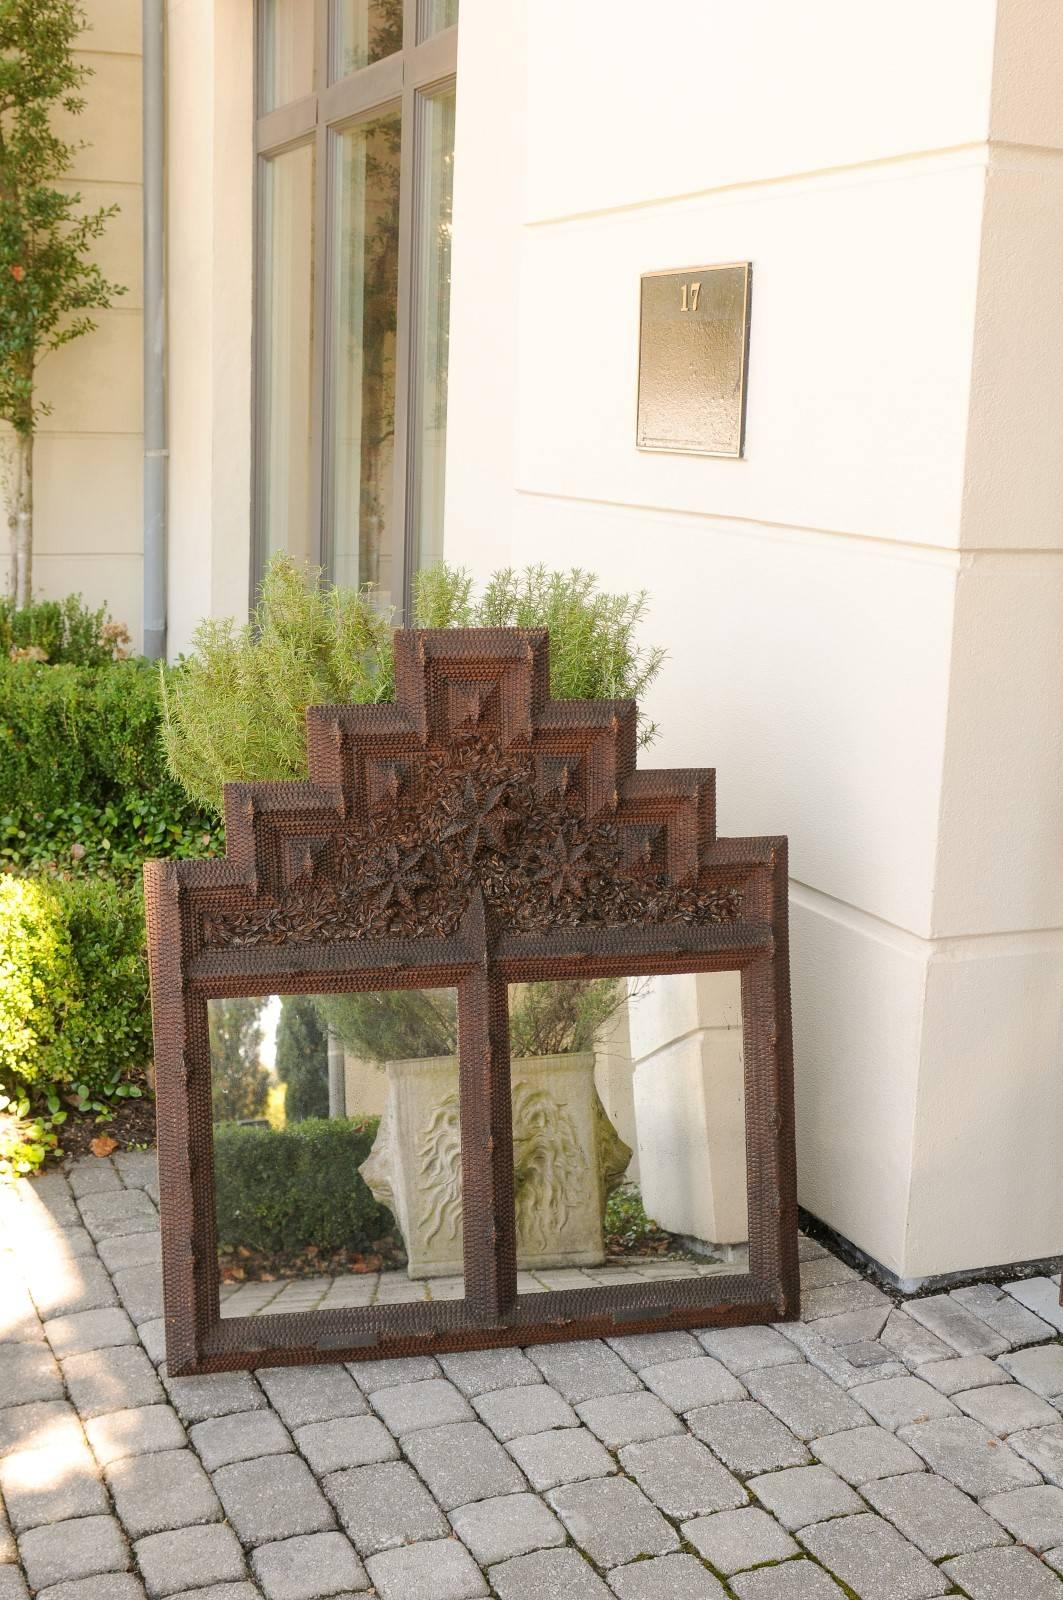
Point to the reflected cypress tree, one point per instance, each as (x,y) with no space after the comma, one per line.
(239,1082)
(302,1058)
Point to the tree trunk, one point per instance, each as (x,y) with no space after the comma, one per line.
(22,576)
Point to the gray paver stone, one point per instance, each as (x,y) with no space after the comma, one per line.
(309,1567)
(430,1404)
(383,1506)
(734,1540)
(442,1570)
(914,1344)
(961,1450)
(849,1327)
(874,1559)
(78,1549)
(1043,1448)
(934,1515)
(372,1375)
(1034,1516)
(564,1455)
(864,1454)
(12,1584)
(532,1408)
(152,1336)
(136,1168)
(701,1381)
(462,1462)
(1040,1370)
(155,1493)
(186,1558)
(1006,1408)
(1054,1559)
(1004,1575)
(7,1541)
(312,1394)
(797,1580)
(747,1437)
(89,1330)
(273,1498)
(823,1270)
(510,1525)
(833,1360)
(583,1370)
(140,1291)
(1041,1296)
(481,1371)
(559,1574)
(799,1496)
(218,1395)
(28,1372)
(620,1419)
(839,1298)
(653,1349)
(961,1372)
(745,1349)
(347,1442)
(1004,1314)
(895,1402)
(244,1436)
(682,1477)
(82,1285)
(120,1379)
(138,1432)
(51,1485)
(130,1250)
(108,1586)
(93,1175)
(38,1424)
(613,1521)
(805,1400)
(967,1334)
(108,1216)
(222,1591)
(677,1577)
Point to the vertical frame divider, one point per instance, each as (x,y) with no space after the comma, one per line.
(489,1230)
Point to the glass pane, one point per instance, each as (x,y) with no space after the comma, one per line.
(433,325)
(365,279)
(437,15)
(628,1130)
(286,51)
(285,339)
(365,31)
(337,1153)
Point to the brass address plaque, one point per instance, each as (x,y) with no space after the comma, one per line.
(693,348)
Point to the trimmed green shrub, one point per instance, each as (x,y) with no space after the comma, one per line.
(282,1189)
(239,1082)
(302,1058)
(83,780)
(74,1012)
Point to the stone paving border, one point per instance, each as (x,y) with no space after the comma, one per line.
(866,1453)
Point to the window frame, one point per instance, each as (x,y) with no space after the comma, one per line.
(405,81)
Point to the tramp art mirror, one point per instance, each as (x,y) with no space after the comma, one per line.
(580,1110)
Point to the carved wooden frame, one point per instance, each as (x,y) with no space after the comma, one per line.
(473,833)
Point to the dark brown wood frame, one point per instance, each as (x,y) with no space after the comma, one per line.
(473,833)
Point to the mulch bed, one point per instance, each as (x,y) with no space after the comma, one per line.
(132,1125)
(241,1264)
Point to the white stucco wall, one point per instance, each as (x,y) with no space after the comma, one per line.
(88,451)
(863,615)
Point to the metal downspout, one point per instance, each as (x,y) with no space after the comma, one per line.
(155,444)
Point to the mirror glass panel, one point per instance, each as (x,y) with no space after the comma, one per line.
(628,1130)
(337,1152)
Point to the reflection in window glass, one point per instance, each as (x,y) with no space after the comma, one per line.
(433,325)
(437,15)
(365,31)
(284,454)
(628,1130)
(365,276)
(286,51)
(337,1150)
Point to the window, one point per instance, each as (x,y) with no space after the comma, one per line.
(355,155)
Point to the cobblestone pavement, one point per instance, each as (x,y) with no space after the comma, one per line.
(867,1451)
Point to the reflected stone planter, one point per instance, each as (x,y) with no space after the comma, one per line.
(567,1158)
